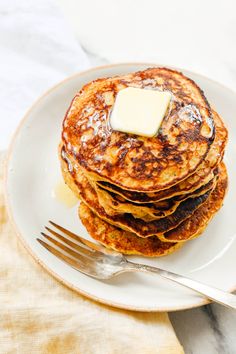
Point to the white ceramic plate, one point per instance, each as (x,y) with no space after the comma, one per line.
(33,171)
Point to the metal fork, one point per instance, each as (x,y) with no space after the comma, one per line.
(102,263)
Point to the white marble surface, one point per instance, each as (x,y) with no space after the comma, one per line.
(207,46)
(209,329)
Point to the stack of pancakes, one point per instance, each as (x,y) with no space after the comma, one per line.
(145,195)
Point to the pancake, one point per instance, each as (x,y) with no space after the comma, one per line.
(123,241)
(195,225)
(201,177)
(187,186)
(114,204)
(79,184)
(128,243)
(133,162)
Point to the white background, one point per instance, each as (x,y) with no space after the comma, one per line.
(39,47)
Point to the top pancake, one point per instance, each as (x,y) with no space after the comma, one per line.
(133,162)
(202,176)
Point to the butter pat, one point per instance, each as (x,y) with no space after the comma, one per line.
(139,111)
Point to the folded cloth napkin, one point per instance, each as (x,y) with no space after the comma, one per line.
(41,316)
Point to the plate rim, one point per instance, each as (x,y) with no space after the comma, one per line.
(23,241)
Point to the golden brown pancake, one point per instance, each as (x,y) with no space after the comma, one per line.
(128,243)
(133,162)
(113,204)
(189,185)
(77,181)
(123,241)
(201,177)
(195,225)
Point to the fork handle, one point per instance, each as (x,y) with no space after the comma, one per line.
(220,296)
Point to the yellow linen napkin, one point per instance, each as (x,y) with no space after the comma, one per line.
(39,315)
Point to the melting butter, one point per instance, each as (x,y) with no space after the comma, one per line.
(64,195)
(139,111)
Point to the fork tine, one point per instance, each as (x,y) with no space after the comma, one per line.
(72,252)
(81,249)
(77,263)
(76,237)
(88,243)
